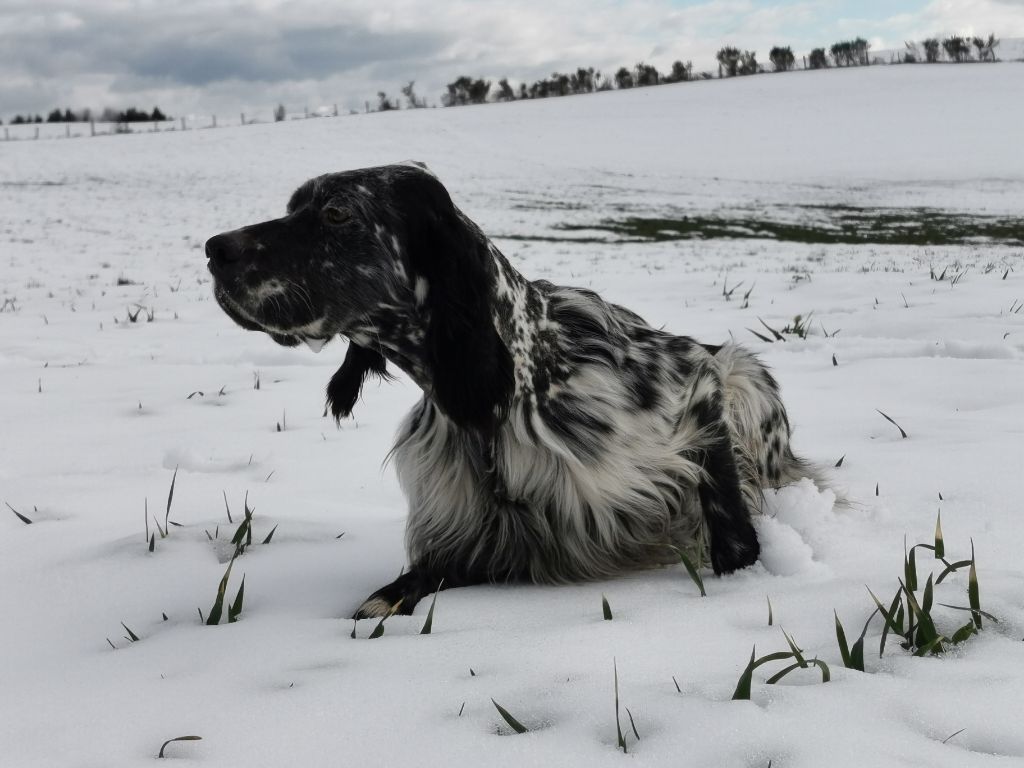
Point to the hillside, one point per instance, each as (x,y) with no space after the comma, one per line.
(817,184)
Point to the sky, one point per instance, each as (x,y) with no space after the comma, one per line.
(201,57)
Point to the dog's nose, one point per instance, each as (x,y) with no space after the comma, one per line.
(224,248)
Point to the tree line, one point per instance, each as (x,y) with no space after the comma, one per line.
(108,115)
(732,62)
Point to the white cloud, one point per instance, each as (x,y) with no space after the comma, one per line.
(246,55)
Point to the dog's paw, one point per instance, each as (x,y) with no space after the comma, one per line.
(737,550)
(377,607)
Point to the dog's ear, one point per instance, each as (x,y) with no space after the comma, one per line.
(347,382)
(470,367)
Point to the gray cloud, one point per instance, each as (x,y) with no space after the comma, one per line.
(199,51)
(234,55)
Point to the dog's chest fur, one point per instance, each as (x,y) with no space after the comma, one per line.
(583,476)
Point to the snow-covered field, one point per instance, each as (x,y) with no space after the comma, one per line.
(97,412)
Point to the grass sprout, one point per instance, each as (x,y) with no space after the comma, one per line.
(513,723)
(903,432)
(428,625)
(18,514)
(177,738)
(910,616)
(745,683)
(692,570)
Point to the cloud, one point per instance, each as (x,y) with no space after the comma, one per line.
(245,55)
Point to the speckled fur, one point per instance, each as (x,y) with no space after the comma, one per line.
(588,443)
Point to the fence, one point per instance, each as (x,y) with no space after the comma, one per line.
(76,130)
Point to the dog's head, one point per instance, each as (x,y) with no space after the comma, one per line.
(361,254)
(315,272)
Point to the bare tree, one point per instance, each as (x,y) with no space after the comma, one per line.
(728,61)
(782,58)
(414,102)
(957,48)
(623,78)
(680,72)
(505,92)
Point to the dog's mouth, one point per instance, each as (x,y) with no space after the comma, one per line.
(314,333)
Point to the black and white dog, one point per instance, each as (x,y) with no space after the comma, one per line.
(559,437)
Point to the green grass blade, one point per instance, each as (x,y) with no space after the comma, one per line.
(779,675)
(888,617)
(378,631)
(972,590)
(514,724)
(964,632)
(903,432)
(170,498)
(24,519)
(910,570)
(632,724)
(131,635)
(857,651)
(179,738)
(235,609)
(270,535)
(428,625)
(926,632)
(932,646)
(797,653)
(951,568)
(742,692)
(826,673)
(606,609)
(770,617)
(240,532)
(218,604)
(618,722)
(690,569)
(986,614)
(857,655)
(926,600)
(844,649)
(940,545)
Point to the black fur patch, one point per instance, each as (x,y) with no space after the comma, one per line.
(469,366)
(347,382)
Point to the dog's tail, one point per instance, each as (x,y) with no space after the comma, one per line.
(758,421)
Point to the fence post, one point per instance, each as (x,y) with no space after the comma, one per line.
(335,110)
(307,112)
(183,123)
(37,131)
(92,127)
(7,135)
(243,118)
(214,121)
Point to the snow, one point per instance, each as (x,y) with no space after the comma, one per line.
(97,415)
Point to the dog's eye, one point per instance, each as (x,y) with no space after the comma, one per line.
(335,216)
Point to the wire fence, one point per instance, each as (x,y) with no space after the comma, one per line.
(85,129)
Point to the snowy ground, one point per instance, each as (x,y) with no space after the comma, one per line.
(97,413)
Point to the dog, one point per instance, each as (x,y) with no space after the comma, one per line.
(559,437)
